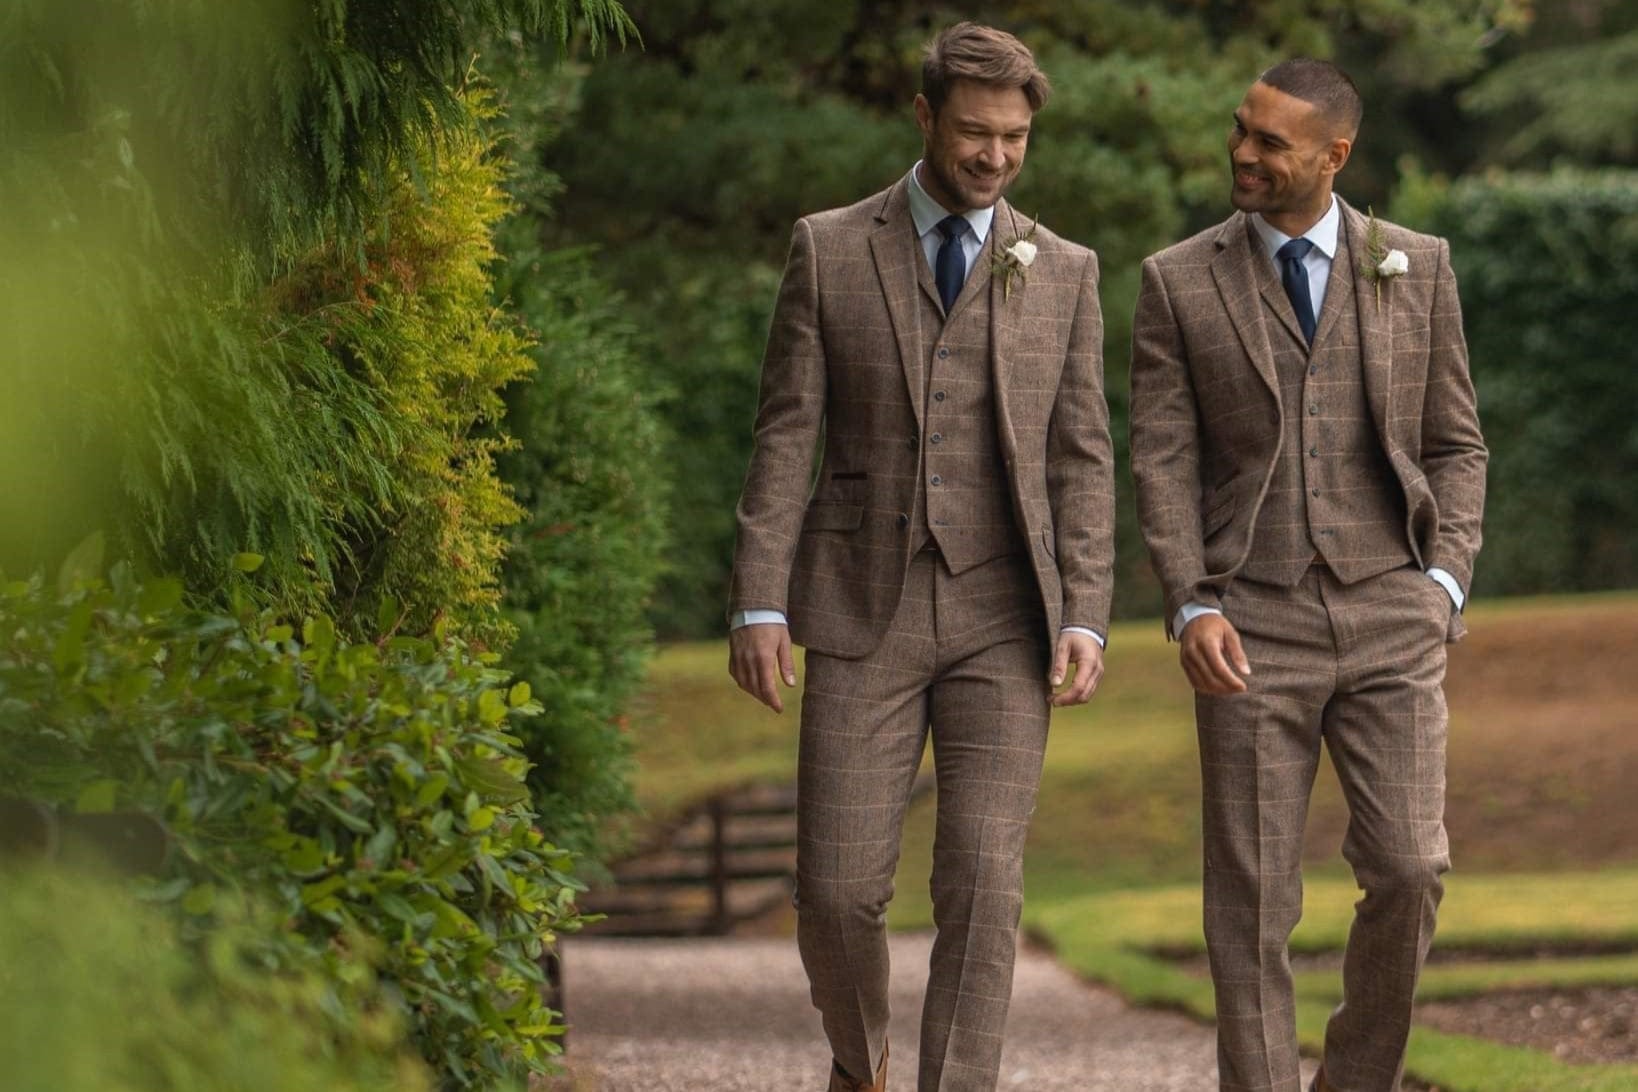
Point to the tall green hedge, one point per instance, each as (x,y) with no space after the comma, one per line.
(589,466)
(1547,266)
(371,795)
(243,277)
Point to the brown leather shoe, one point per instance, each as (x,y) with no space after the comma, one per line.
(841,1081)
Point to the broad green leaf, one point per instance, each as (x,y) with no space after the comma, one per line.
(247,563)
(69,652)
(491,707)
(491,778)
(519,694)
(431,790)
(160,596)
(482,819)
(314,893)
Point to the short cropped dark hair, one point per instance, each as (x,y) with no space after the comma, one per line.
(969,51)
(1323,84)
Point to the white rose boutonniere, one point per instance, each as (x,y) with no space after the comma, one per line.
(1381,264)
(1014,260)
(1393,264)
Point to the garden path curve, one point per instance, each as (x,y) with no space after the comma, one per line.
(732,1015)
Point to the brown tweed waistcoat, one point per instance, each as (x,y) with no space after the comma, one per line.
(1332,494)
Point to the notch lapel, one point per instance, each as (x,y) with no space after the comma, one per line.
(897,255)
(1243,275)
(1004,317)
(1375,323)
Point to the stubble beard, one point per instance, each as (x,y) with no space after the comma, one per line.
(961,190)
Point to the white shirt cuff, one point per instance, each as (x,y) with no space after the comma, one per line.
(1187,613)
(1448,582)
(1090,633)
(756,618)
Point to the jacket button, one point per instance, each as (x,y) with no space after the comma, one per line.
(903,521)
(935,438)
(943,352)
(912,441)
(937,480)
(938,396)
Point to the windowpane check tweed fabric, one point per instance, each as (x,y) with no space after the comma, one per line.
(978,426)
(1207,415)
(1358,667)
(845,370)
(964,662)
(1256,455)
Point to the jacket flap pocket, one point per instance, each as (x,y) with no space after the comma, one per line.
(833,517)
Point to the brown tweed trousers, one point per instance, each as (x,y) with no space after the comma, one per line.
(962,513)
(1303,490)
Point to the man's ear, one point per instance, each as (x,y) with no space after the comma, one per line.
(1336,156)
(924,116)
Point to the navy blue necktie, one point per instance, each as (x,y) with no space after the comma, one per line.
(950,268)
(1295,278)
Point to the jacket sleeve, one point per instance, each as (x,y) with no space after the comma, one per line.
(790,414)
(1166,448)
(1453,450)
(1080,468)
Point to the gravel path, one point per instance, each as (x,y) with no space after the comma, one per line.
(732,1015)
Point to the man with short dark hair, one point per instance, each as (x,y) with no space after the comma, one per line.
(1310,478)
(949,565)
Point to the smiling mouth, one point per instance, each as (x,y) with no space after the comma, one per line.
(1249,181)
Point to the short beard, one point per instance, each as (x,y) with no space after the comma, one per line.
(954,187)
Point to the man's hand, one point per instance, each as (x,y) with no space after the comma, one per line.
(1212,657)
(758,656)
(1086,654)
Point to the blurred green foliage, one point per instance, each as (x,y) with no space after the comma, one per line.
(1566,93)
(1548,268)
(371,795)
(243,277)
(588,467)
(254,302)
(686,163)
(100,990)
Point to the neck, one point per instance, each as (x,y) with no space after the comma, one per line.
(936,192)
(1295,223)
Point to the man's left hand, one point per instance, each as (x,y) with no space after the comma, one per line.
(1086,654)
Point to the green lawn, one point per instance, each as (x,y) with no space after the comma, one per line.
(1543,754)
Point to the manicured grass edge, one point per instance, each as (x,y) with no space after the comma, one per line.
(1094,938)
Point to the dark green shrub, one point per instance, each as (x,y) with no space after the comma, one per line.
(99,990)
(589,466)
(1548,269)
(361,790)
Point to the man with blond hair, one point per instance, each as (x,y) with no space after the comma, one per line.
(1310,479)
(949,565)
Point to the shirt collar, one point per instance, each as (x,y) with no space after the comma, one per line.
(926,212)
(1323,234)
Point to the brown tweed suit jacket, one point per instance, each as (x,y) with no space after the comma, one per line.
(843,372)
(1207,419)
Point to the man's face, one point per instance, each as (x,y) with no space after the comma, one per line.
(1284,159)
(974,146)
